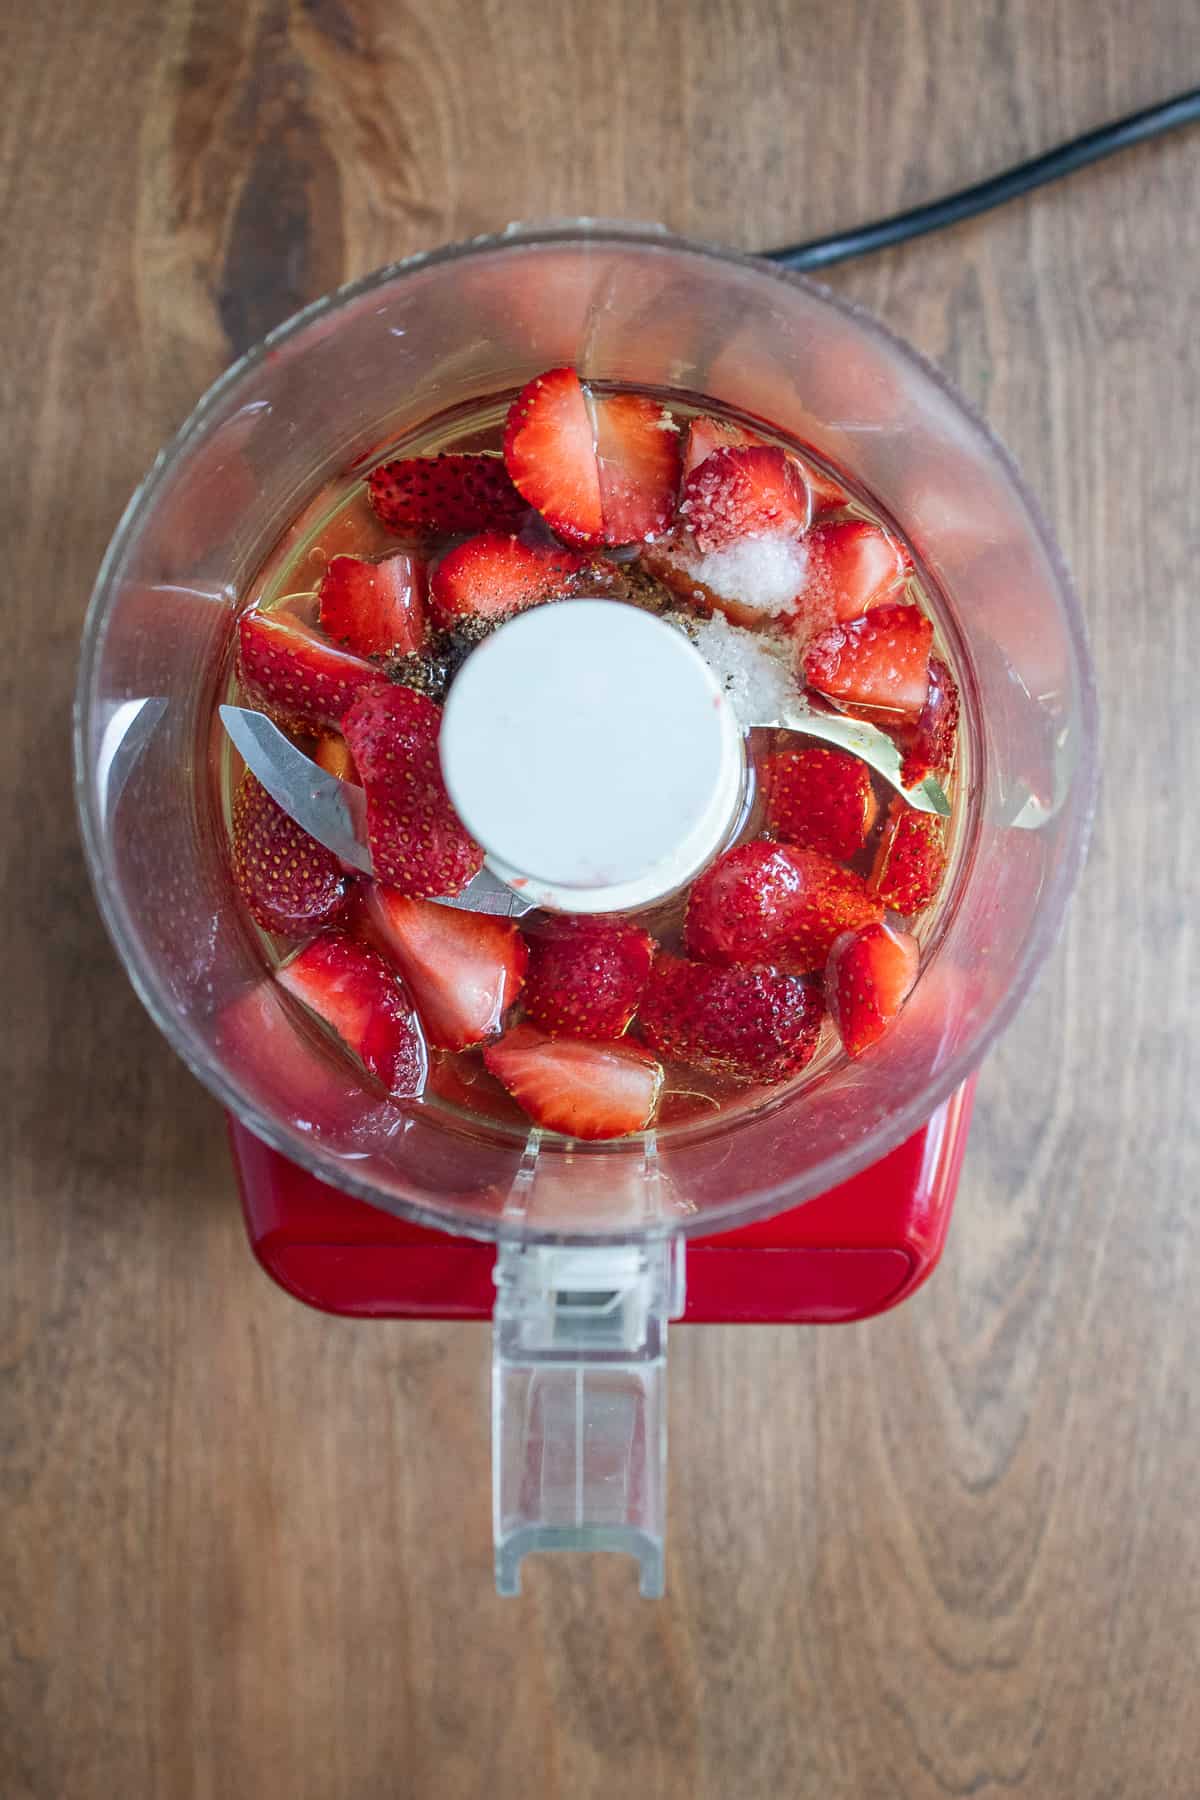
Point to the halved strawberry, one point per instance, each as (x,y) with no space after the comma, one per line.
(493,576)
(333,755)
(704,435)
(550,454)
(819,799)
(354,991)
(878,661)
(600,468)
(750,1024)
(928,744)
(296,672)
(852,565)
(463,969)
(745,491)
(418,843)
(374,608)
(869,976)
(573,1085)
(637,453)
(290,883)
(458,491)
(586,976)
(767,905)
(910,861)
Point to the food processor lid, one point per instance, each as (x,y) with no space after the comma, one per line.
(637,756)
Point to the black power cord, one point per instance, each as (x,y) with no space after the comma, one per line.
(819,253)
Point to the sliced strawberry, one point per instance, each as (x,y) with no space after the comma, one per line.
(928,744)
(707,434)
(290,883)
(852,565)
(550,454)
(750,1024)
(600,468)
(463,969)
(910,861)
(745,491)
(637,452)
(374,608)
(354,991)
(704,435)
(418,844)
(819,799)
(333,755)
(766,905)
(439,495)
(296,672)
(586,976)
(869,976)
(493,576)
(878,661)
(573,1085)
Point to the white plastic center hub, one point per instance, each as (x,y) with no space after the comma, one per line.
(588,747)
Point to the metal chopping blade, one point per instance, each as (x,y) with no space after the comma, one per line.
(334,812)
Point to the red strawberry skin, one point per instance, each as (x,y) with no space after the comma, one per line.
(374,608)
(910,862)
(495,575)
(769,905)
(747,1024)
(550,455)
(441,495)
(853,565)
(353,990)
(928,744)
(819,799)
(878,661)
(463,969)
(586,976)
(744,491)
(637,456)
(298,674)
(418,844)
(573,1085)
(868,978)
(289,882)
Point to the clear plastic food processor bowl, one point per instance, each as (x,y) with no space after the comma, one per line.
(591,1238)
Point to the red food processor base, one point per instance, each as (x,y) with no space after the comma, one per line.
(860,1248)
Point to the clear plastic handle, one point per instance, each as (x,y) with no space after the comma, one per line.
(579,1402)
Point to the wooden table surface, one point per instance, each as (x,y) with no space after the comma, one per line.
(244,1549)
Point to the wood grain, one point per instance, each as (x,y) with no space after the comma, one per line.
(244,1549)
